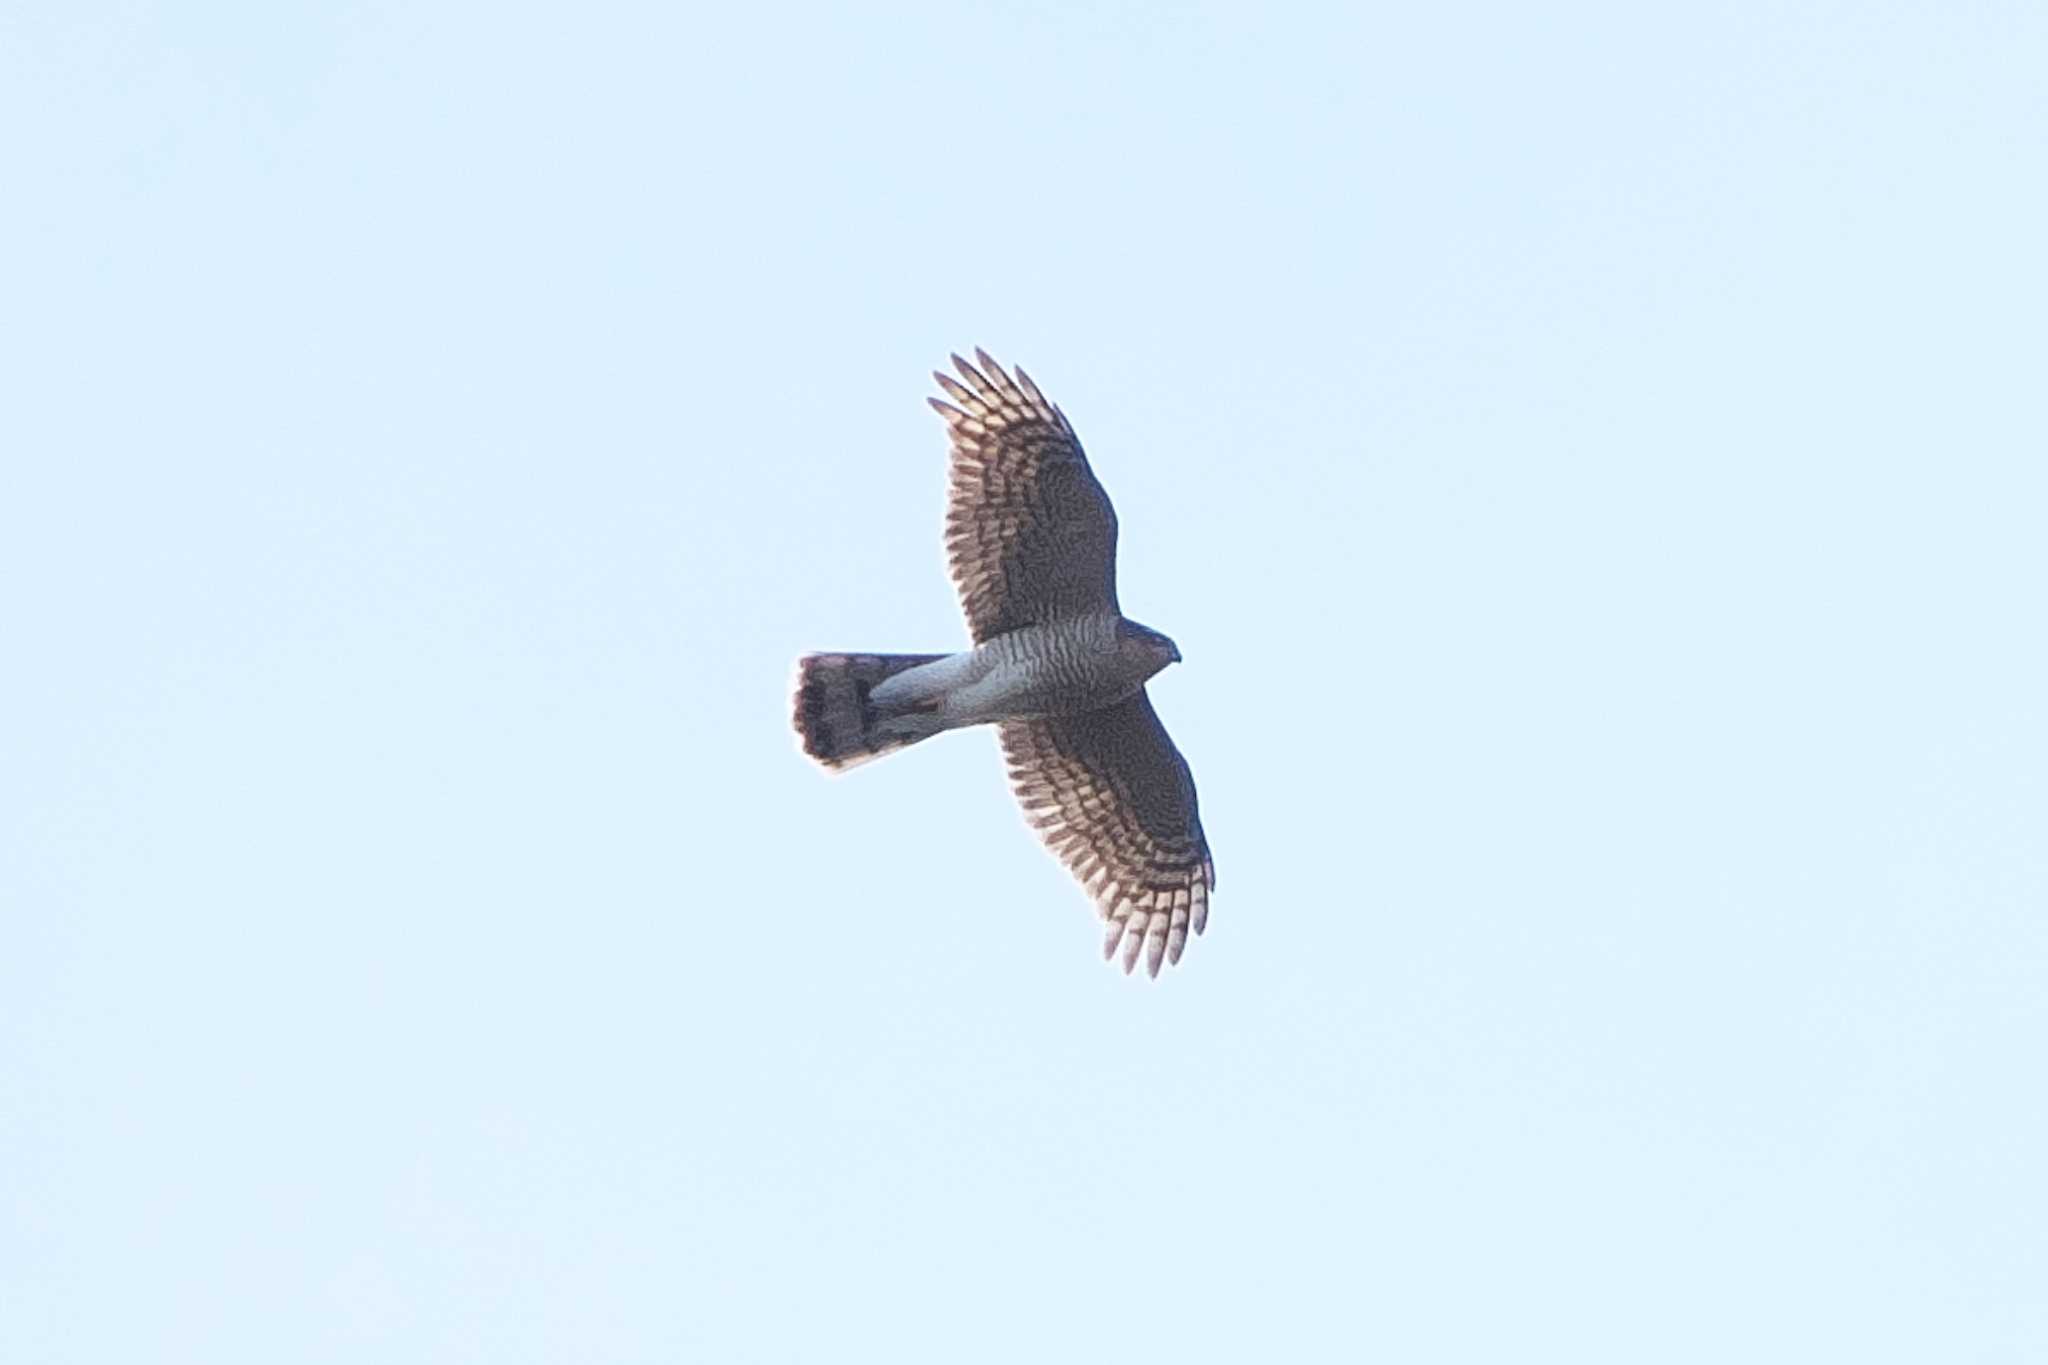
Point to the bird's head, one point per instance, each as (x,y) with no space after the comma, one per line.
(1146,645)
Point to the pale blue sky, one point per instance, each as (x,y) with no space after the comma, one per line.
(1591,457)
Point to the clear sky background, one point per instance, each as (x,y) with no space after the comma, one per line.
(1593,459)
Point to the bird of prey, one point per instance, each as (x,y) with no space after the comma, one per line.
(1056,667)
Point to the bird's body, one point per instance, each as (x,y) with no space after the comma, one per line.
(1054,669)
(1055,664)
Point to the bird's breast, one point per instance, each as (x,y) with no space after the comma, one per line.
(1047,670)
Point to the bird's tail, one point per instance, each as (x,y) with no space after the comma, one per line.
(839,725)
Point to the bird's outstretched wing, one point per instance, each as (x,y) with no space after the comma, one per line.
(1114,801)
(1030,535)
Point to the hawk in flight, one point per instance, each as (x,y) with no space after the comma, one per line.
(1056,667)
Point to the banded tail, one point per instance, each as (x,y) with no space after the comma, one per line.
(838,722)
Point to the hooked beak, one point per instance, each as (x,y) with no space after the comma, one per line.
(1173,653)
